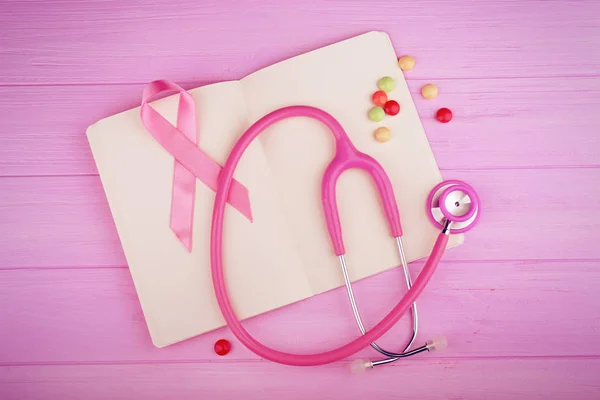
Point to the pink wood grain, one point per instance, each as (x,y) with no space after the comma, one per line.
(137,41)
(513,116)
(518,302)
(456,379)
(93,315)
(40,214)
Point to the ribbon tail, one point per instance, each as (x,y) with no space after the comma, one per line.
(182,204)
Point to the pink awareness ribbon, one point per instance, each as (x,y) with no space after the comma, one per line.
(190,162)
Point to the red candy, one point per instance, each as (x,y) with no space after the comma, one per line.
(379,98)
(391,107)
(222,347)
(444,115)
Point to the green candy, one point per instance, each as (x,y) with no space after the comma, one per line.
(376,114)
(386,84)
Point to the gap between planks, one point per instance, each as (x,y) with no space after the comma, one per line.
(524,261)
(490,168)
(194,83)
(261,360)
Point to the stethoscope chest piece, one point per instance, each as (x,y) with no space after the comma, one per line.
(455,201)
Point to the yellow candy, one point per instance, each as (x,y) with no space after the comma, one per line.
(429,91)
(383,134)
(406,63)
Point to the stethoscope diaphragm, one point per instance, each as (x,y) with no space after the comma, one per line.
(454,201)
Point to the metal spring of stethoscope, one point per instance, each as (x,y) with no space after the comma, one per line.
(390,356)
(451,202)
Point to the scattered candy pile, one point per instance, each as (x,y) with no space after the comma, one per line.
(383,106)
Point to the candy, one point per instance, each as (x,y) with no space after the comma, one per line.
(379,98)
(376,114)
(391,107)
(429,91)
(406,63)
(383,134)
(386,84)
(222,347)
(444,115)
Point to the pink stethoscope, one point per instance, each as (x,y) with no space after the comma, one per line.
(453,206)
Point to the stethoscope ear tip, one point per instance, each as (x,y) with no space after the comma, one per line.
(360,366)
(437,344)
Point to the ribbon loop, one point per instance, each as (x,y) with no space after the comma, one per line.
(190,162)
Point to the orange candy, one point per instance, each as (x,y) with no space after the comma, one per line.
(379,98)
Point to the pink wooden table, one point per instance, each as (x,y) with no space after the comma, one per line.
(518,302)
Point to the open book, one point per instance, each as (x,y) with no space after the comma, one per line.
(285,255)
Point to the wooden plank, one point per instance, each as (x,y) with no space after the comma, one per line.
(56,221)
(137,41)
(476,379)
(484,309)
(510,123)
(54,142)
(65,221)
(523,139)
